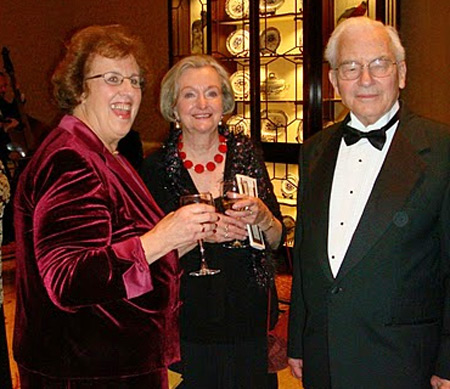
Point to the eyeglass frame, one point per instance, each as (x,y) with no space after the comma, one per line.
(366,65)
(122,78)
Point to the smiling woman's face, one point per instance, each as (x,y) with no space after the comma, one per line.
(199,104)
(110,110)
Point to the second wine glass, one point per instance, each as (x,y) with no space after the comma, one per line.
(200,198)
(230,195)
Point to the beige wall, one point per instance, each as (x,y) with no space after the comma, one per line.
(34,31)
(425,31)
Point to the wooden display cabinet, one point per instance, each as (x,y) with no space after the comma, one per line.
(273,50)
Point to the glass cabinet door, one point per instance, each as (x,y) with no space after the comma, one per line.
(273,50)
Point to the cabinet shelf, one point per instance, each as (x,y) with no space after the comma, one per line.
(264,58)
(288,16)
(279,101)
(301,28)
(292,40)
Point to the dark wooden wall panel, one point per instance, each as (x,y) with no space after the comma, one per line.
(425,31)
(34,32)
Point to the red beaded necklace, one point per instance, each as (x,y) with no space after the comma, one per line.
(200,168)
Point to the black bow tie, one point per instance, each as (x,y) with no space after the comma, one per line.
(377,138)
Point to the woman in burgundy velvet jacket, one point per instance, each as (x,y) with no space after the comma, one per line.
(97,261)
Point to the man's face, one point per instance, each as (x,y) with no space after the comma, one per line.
(368,97)
(3,86)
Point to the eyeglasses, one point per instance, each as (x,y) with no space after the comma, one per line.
(116,79)
(378,68)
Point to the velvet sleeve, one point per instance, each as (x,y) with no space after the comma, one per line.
(73,225)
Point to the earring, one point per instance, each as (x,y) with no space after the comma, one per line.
(177,124)
(220,121)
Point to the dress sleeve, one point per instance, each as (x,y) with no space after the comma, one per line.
(73,237)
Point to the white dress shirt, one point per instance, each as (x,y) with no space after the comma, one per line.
(357,168)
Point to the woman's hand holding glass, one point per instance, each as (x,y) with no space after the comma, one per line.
(251,210)
(243,210)
(180,230)
(228,229)
(200,198)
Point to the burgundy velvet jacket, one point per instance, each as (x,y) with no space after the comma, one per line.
(88,304)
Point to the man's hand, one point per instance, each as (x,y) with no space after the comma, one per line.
(439,383)
(296,367)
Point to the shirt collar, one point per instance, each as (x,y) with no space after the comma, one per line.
(355,122)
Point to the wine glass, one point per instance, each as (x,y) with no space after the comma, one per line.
(204,198)
(230,191)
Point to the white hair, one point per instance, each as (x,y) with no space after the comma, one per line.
(331,51)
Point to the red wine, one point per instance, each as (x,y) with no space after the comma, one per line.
(228,202)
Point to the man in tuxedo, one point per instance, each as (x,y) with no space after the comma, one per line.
(370,304)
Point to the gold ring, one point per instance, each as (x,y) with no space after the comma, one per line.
(226,231)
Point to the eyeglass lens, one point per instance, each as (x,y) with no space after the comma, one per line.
(116,79)
(377,68)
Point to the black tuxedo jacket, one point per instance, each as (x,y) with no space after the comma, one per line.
(384,321)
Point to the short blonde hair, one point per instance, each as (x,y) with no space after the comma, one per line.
(170,88)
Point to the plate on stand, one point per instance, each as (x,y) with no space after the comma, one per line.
(269,40)
(236,9)
(240,83)
(299,137)
(238,43)
(289,186)
(269,6)
(237,124)
(273,125)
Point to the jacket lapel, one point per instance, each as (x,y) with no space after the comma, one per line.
(398,177)
(124,172)
(118,166)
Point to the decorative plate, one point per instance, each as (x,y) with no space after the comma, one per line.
(289,223)
(269,6)
(289,186)
(236,9)
(239,125)
(273,125)
(299,137)
(238,43)
(269,40)
(240,83)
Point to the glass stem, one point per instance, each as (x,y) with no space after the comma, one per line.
(203,264)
